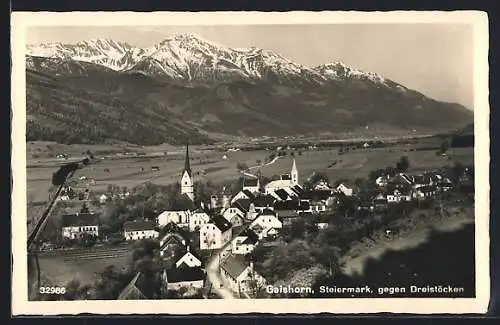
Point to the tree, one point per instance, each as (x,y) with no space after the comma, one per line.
(241,167)
(445,146)
(403,164)
(374,174)
(76,291)
(391,171)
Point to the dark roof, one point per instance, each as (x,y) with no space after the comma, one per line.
(298,189)
(282,194)
(264,200)
(234,265)
(422,179)
(316,195)
(267,212)
(252,237)
(138,288)
(184,203)
(171,228)
(249,194)
(242,204)
(426,188)
(286,205)
(304,205)
(250,182)
(285,177)
(138,225)
(187,166)
(80,219)
(221,222)
(185,274)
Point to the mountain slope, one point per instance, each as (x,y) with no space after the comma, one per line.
(185,87)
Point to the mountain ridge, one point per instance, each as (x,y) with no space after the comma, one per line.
(188,87)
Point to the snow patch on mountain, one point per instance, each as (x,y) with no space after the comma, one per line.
(190,58)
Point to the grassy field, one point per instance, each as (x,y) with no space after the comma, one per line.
(127,171)
(59,270)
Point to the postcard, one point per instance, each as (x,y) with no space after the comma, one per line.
(292,162)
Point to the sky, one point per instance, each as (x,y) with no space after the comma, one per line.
(435,59)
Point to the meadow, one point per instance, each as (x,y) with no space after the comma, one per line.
(209,164)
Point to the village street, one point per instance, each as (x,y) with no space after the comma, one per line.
(213,274)
(259,166)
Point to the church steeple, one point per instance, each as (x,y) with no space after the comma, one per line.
(187,166)
(295,174)
(187,186)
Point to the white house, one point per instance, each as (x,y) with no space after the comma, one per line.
(240,276)
(382,181)
(266,224)
(344,189)
(322,185)
(103,199)
(198,219)
(180,218)
(398,196)
(233,212)
(424,192)
(188,260)
(245,242)
(216,233)
(77,225)
(139,229)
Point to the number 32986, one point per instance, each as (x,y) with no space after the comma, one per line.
(53,290)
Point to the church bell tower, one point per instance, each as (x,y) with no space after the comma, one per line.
(187,178)
(295,174)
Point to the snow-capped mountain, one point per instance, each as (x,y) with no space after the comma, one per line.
(192,59)
(339,71)
(111,54)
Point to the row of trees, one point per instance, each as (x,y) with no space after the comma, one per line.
(401,167)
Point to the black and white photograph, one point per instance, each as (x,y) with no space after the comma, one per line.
(268,160)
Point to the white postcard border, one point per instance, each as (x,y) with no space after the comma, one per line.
(20,304)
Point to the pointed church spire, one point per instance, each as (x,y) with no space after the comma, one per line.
(295,173)
(187,166)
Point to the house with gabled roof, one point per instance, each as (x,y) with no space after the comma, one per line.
(264,201)
(243,194)
(79,224)
(281,195)
(245,242)
(179,217)
(188,260)
(172,238)
(216,233)
(190,278)
(236,213)
(197,219)
(139,288)
(140,229)
(267,224)
(240,276)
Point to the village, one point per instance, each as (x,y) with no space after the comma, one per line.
(205,246)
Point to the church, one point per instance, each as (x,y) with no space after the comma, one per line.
(285,181)
(187,184)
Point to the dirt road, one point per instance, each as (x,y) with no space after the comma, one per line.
(213,275)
